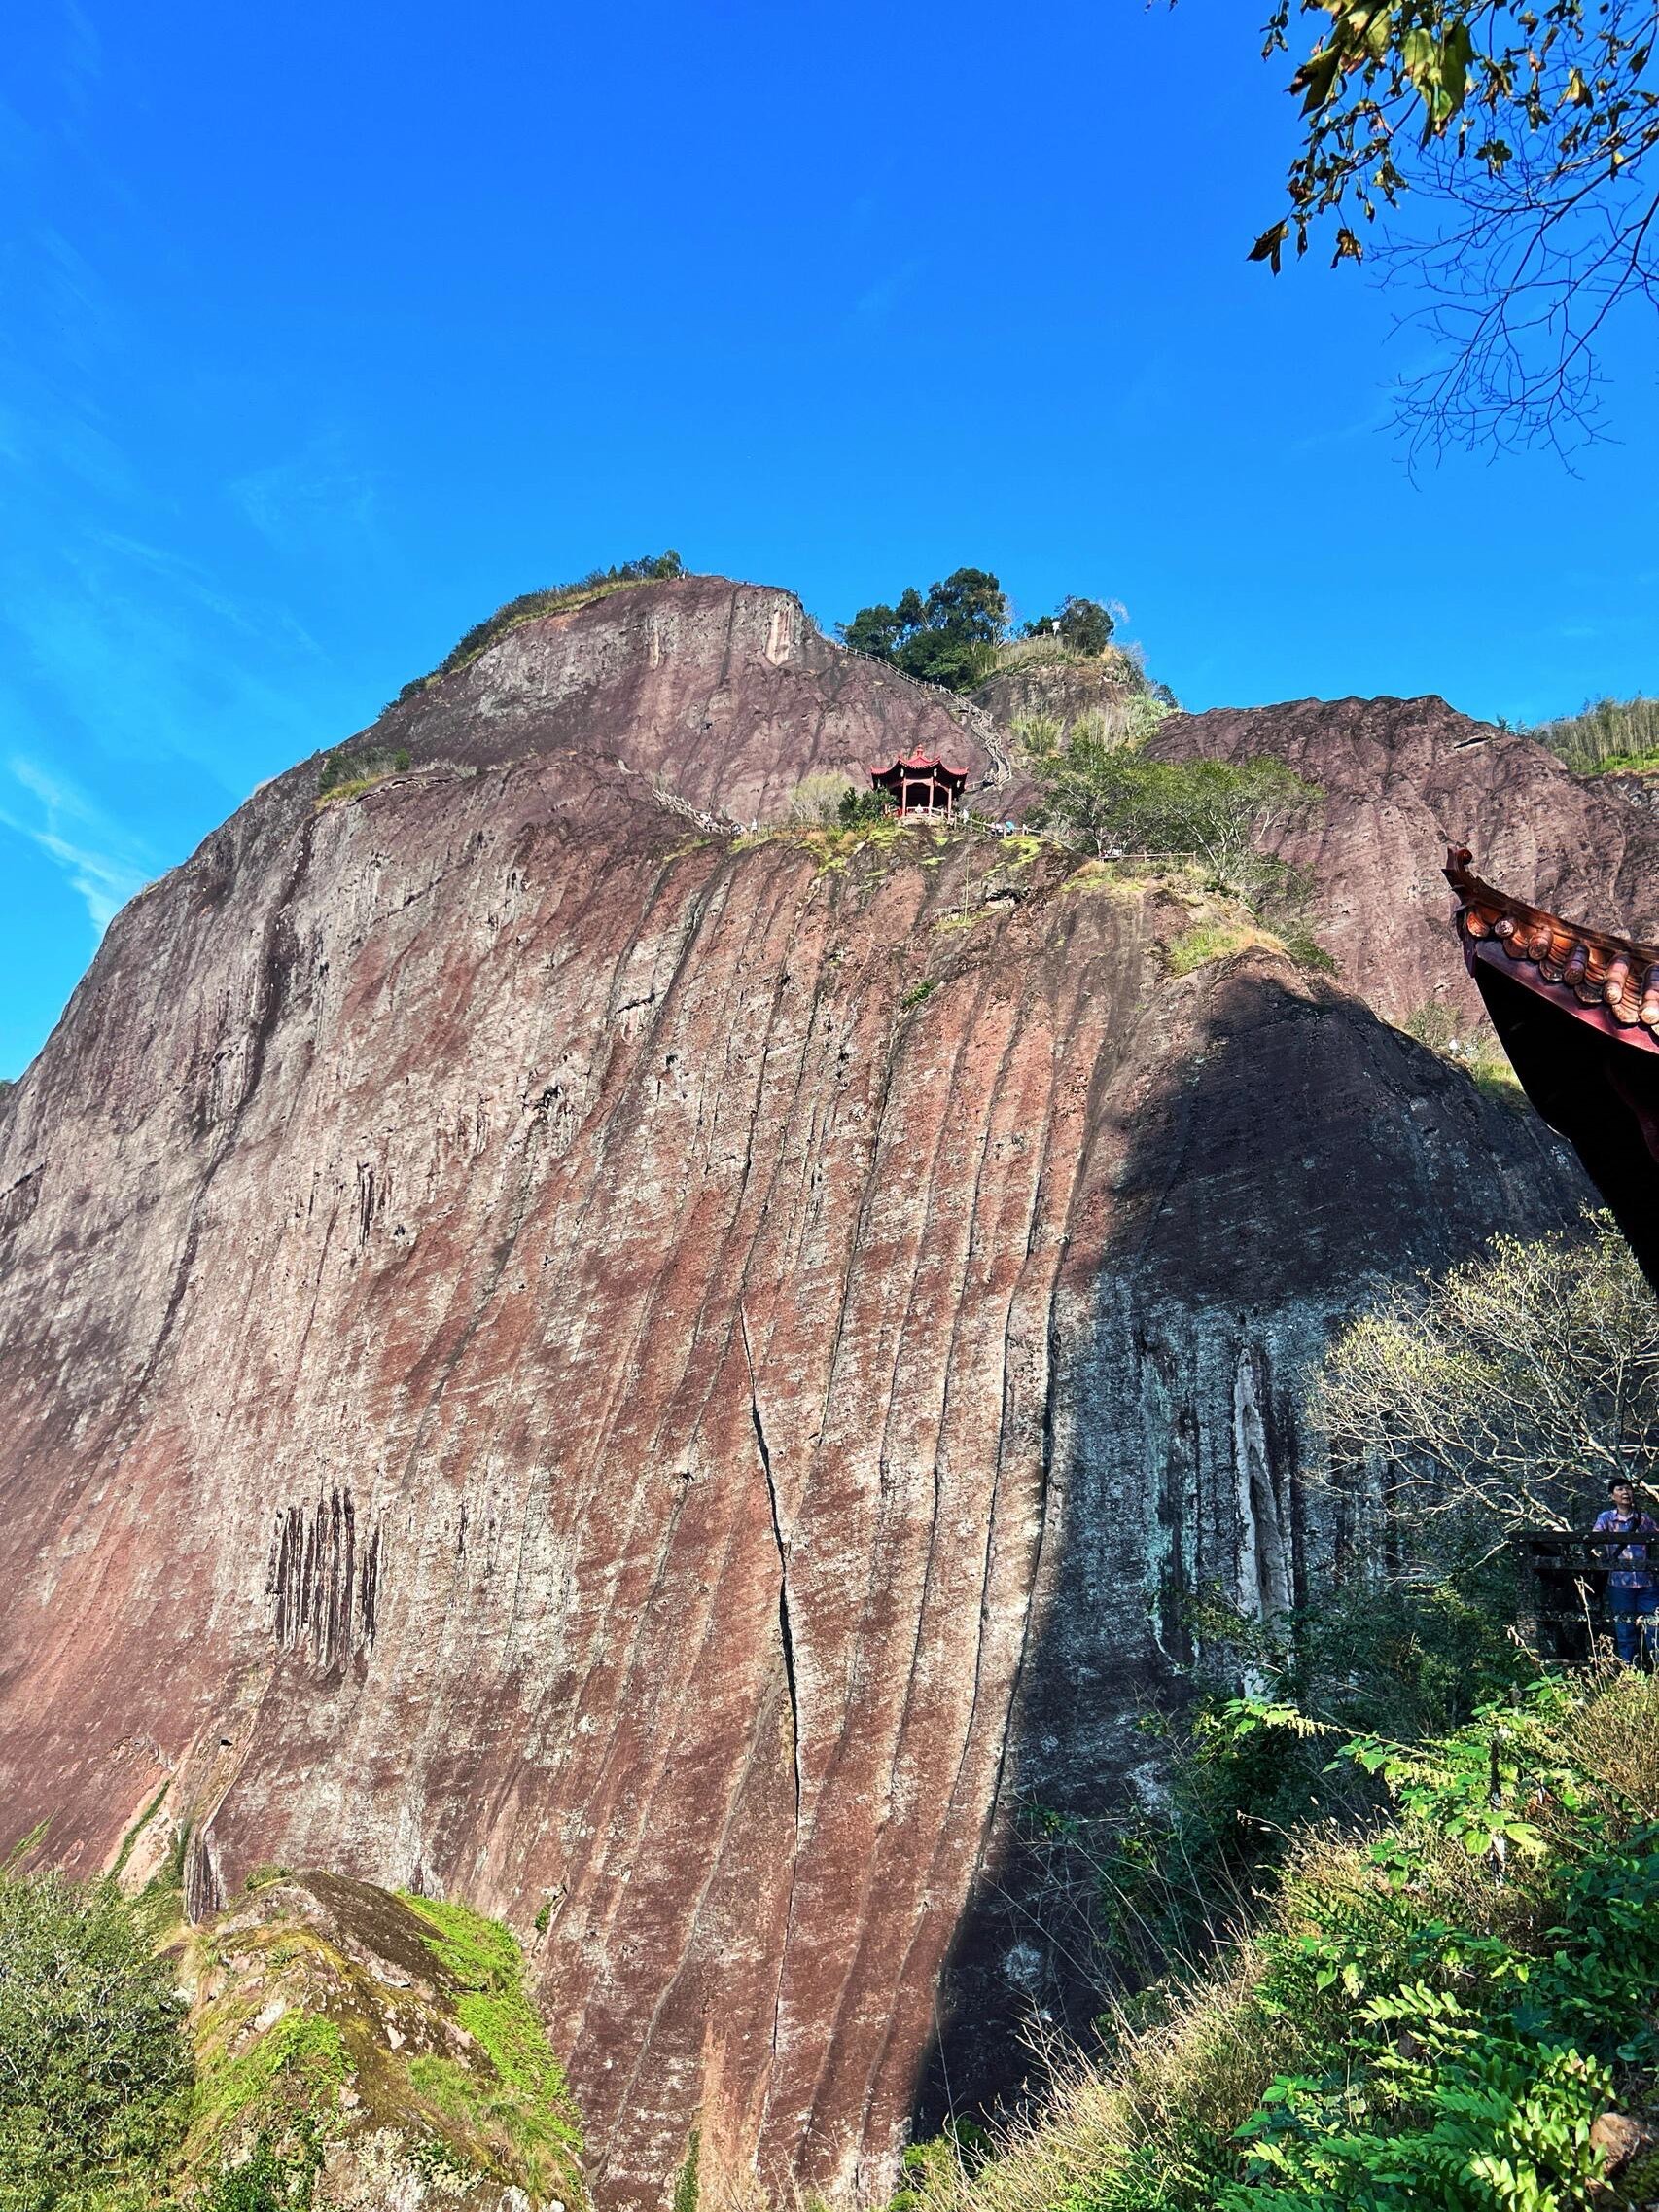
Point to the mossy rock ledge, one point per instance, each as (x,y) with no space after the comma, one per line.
(392,2034)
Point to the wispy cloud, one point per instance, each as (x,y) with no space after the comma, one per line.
(1377,416)
(104,863)
(83,49)
(315,501)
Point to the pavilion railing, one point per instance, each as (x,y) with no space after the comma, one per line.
(1565,1588)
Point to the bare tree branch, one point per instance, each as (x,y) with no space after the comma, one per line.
(1498,155)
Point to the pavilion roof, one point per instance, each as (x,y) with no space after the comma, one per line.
(919,763)
(1611,981)
(1576,1009)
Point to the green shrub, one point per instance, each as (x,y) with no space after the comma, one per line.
(857,809)
(958,2150)
(277,2176)
(345,773)
(819,799)
(1432,2015)
(1145,1898)
(95,2083)
(264,1878)
(1106,795)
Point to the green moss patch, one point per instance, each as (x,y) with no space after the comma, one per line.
(295,2067)
(528,2104)
(332,2019)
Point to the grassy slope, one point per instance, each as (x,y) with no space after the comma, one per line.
(1435,2015)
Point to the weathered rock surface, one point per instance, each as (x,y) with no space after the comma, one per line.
(662,1384)
(1404,779)
(728,692)
(1061,688)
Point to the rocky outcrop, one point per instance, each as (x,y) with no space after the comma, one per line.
(727,692)
(659,1383)
(1404,780)
(379,2051)
(1060,687)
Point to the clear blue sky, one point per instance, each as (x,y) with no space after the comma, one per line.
(329,327)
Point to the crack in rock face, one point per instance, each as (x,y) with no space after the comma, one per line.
(539,1365)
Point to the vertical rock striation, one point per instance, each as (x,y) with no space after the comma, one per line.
(654,1383)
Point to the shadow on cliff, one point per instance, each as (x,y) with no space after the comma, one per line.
(1291,1155)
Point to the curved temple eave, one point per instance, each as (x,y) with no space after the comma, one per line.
(1611,983)
(1575,1010)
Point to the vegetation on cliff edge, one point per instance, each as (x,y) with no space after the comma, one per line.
(1390,1940)
(1606,736)
(1104,794)
(949,636)
(96,2071)
(553,599)
(959,633)
(347,773)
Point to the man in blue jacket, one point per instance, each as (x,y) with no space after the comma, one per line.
(1633,1594)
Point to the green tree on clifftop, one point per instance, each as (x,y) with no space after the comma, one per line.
(1082,626)
(950,637)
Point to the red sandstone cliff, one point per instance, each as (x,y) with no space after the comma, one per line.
(1406,779)
(539,1362)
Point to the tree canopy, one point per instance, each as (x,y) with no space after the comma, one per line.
(94,2091)
(950,637)
(1082,626)
(1510,1390)
(1109,795)
(1522,133)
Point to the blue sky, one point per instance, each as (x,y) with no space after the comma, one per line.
(327,327)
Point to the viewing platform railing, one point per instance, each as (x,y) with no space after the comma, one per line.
(1565,1588)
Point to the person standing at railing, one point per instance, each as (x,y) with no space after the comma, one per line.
(1632,1591)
